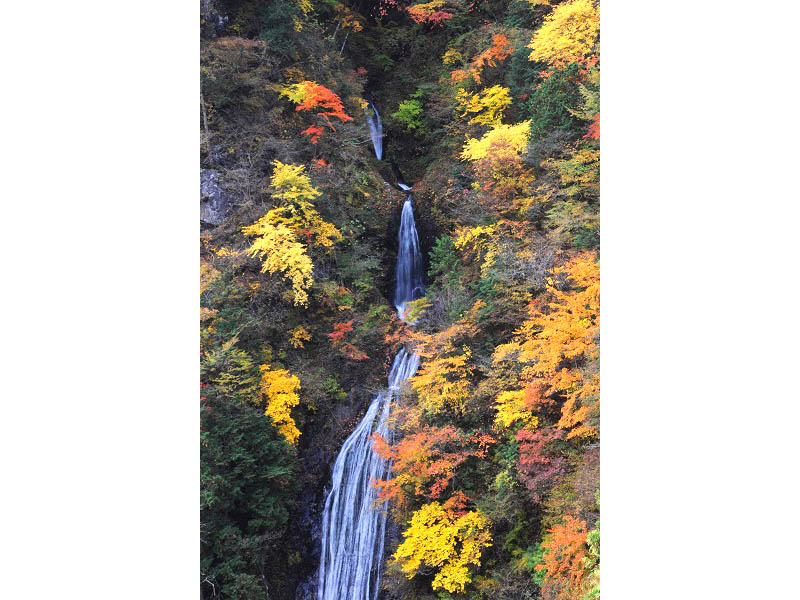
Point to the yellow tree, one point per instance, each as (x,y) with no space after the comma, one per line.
(478,245)
(502,141)
(443,381)
(487,106)
(568,34)
(298,336)
(305,7)
(448,543)
(279,387)
(278,247)
(512,409)
(497,164)
(558,345)
(294,194)
(277,243)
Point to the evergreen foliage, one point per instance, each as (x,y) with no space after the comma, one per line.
(246,493)
(550,103)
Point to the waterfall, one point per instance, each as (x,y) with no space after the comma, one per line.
(409,261)
(376,132)
(353,527)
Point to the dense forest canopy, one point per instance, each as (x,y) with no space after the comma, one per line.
(490,110)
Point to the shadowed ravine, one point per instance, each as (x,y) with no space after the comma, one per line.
(353,526)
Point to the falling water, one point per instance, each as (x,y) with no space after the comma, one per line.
(409,261)
(376,132)
(353,527)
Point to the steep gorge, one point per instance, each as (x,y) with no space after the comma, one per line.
(491,238)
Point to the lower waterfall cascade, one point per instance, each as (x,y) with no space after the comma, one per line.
(353,527)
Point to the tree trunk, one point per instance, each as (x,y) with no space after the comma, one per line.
(205,123)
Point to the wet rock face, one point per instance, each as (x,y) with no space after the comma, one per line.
(307,590)
(215,203)
(308,539)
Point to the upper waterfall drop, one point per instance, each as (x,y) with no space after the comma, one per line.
(409,285)
(376,132)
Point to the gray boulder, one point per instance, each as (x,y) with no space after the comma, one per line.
(215,203)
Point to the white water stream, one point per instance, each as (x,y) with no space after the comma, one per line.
(376,132)
(353,527)
(409,284)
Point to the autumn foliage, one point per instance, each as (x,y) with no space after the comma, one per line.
(424,462)
(278,248)
(498,165)
(447,543)
(493,448)
(540,465)
(443,379)
(282,233)
(565,557)
(339,341)
(568,34)
(314,132)
(487,106)
(294,193)
(279,388)
(557,345)
(501,142)
(498,51)
(310,96)
(430,13)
